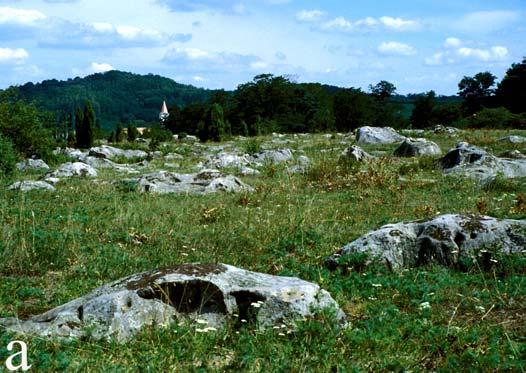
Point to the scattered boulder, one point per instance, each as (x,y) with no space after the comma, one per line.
(273,156)
(443,240)
(417,148)
(76,169)
(32,164)
(514,139)
(110,152)
(378,135)
(223,160)
(28,185)
(474,162)
(357,154)
(77,154)
(203,182)
(210,294)
(173,157)
(443,130)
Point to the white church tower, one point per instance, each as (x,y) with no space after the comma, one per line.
(164,112)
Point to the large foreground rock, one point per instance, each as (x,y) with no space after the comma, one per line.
(110,152)
(203,182)
(417,148)
(442,240)
(378,135)
(468,160)
(207,293)
(75,169)
(28,185)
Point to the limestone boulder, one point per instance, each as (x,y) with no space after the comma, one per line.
(110,152)
(25,186)
(73,169)
(416,148)
(273,156)
(378,135)
(32,164)
(210,295)
(356,154)
(443,240)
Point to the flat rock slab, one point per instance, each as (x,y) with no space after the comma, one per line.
(514,139)
(110,152)
(211,294)
(203,182)
(273,156)
(443,240)
(470,161)
(378,135)
(417,148)
(25,186)
(75,169)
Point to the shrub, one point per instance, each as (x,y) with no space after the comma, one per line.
(252,146)
(7,157)
(496,118)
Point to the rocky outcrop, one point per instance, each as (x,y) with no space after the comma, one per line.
(223,160)
(273,156)
(417,148)
(76,169)
(443,240)
(514,139)
(110,152)
(357,154)
(378,135)
(468,160)
(203,182)
(209,294)
(32,164)
(25,186)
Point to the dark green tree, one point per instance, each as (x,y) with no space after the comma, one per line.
(422,115)
(476,91)
(382,90)
(213,127)
(511,92)
(119,133)
(85,135)
(352,109)
(132,133)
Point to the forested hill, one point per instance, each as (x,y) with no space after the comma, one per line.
(116,96)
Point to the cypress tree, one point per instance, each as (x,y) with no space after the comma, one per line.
(85,140)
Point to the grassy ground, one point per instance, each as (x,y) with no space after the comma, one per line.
(56,247)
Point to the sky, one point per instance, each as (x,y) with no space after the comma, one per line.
(418,45)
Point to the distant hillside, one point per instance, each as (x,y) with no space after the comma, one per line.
(116,96)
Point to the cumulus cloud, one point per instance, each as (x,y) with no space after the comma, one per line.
(452,43)
(310,15)
(455,52)
(487,21)
(371,24)
(496,53)
(105,35)
(8,55)
(396,48)
(101,67)
(17,16)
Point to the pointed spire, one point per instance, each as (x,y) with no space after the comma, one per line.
(164,112)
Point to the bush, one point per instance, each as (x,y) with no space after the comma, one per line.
(496,118)
(252,146)
(8,157)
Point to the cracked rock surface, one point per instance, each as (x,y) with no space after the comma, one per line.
(211,293)
(442,240)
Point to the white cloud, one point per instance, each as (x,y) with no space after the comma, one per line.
(396,48)
(310,15)
(399,24)
(101,67)
(338,23)
(9,55)
(487,21)
(197,60)
(24,17)
(495,53)
(452,43)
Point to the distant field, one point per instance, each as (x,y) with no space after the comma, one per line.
(56,247)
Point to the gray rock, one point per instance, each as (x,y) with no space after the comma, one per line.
(378,135)
(208,294)
(25,186)
(203,182)
(32,164)
(417,148)
(225,159)
(514,139)
(173,157)
(248,171)
(357,154)
(273,156)
(470,161)
(76,169)
(443,240)
(440,129)
(107,164)
(110,152)
(77,154)
(513,154)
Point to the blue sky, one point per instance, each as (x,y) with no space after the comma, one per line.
(418,45)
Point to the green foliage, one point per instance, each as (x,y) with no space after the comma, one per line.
(85,126)
(352,109)
(496,118)
(252,146)
(132,133)
(25,126)
(119,133)
(511,92)
(383,90)
(8,157)
(422,115)
(476,91)
(157,134)
(213,127)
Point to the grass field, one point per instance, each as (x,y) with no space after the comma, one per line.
(58,246)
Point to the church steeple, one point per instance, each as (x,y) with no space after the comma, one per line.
(164,112)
